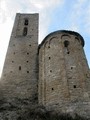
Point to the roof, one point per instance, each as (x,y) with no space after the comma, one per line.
(63,31)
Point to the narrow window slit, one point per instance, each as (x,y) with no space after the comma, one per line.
(71,67)
(49,58)
(19,67)
(27,71)
(74,86)
(10,71)
(52,88)
(68,52)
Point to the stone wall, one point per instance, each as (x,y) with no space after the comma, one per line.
(63,85)
(20,72)
(63,71)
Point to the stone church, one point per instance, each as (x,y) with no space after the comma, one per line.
(54,74)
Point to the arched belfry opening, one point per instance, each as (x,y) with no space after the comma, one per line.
(25,30)
(26,22)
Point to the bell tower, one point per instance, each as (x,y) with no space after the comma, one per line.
(19,77)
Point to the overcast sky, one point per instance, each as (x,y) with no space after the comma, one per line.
(53,15)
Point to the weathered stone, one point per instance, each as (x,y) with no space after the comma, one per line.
(63,72)
(63,83)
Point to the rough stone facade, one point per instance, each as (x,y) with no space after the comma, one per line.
(64,82)
(54,74)
(20,72)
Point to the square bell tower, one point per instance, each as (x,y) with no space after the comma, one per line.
(20,72)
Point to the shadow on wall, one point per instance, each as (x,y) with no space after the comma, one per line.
(32,112)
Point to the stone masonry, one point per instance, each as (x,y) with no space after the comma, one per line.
(19,77)
(54,74)
(64,82)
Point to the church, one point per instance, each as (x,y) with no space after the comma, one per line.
(54,74)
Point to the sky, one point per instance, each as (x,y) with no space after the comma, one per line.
(53,15)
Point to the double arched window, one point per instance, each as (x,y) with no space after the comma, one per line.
(25,30)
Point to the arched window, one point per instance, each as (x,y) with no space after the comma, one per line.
(26,22)
(66,43)
(25,31)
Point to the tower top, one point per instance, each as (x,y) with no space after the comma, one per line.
(25,14)
(25,25)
